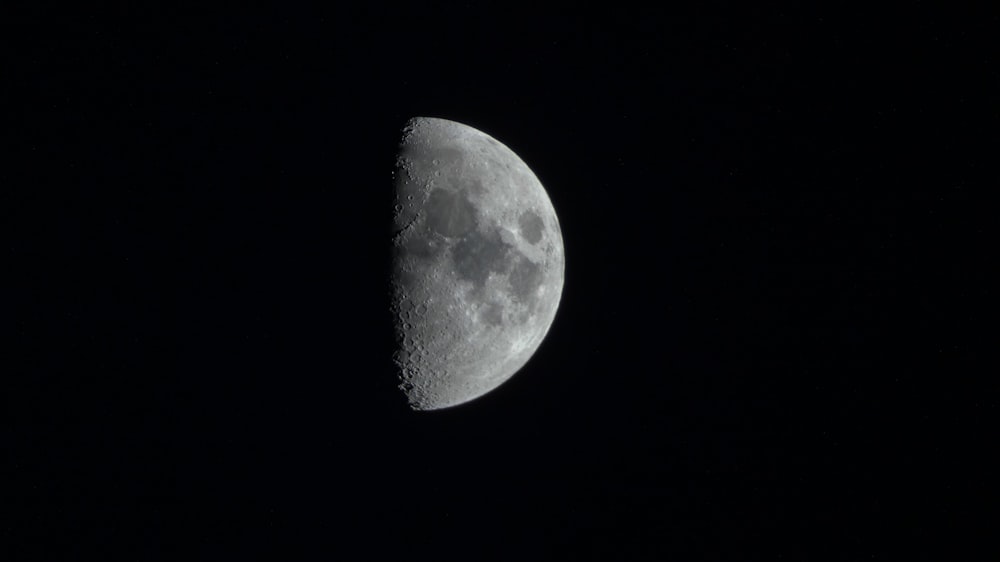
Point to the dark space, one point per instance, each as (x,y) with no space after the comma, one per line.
(771,339)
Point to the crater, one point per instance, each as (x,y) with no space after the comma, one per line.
(531,227)
(423,160)
(405,278)
(445,157)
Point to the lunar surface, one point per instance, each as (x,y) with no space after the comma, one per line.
(477,263)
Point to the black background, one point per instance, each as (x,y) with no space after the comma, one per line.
(771,335)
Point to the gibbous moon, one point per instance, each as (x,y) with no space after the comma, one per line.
(478,263)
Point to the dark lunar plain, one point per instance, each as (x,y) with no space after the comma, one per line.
(771,338)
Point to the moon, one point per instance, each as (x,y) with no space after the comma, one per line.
(477,263)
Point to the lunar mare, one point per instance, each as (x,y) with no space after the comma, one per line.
(478,263)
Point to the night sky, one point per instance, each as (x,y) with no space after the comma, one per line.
(771,338)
